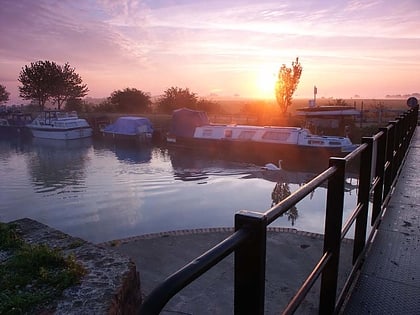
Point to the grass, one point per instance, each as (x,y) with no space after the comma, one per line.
(33,275)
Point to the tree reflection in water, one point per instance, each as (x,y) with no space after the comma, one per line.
(280,192)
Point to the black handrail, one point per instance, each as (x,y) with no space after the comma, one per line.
(381,158)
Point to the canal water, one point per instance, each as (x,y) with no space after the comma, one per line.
(101,192)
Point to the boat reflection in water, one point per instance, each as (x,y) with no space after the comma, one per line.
(200,167)
(56,164)
(126,152)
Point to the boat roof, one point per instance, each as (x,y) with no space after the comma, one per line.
(253,127)
(129,125)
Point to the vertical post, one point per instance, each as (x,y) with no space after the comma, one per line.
(399,143)
(250,264)
(407,132)
(389,159)
(332,235)
(380,167)
(395,142)
(363,198)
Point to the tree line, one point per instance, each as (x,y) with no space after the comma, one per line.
(45,82)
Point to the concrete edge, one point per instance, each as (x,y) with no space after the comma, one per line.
(210,230)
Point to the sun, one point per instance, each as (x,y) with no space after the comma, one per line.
(266,82)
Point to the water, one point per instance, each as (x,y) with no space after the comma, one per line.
(100,192)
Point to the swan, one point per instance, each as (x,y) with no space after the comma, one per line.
(272,167)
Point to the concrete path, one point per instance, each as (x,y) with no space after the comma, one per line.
(291,256)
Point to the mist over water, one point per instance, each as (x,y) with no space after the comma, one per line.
(101,192)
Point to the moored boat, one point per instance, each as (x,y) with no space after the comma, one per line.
(15,125)
(59,125)
(192,129)
(129,129)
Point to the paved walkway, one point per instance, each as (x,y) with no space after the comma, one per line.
(389,281)
(291,256)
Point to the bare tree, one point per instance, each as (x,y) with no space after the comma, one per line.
(287,82)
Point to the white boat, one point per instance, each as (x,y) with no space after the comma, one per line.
(192,129)
(59,125)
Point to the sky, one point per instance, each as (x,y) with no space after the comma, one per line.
(228,48)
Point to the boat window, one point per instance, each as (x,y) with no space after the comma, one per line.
(276,135)
(246,134)
(228,133)
(315,142)
(335,143)
(207,132)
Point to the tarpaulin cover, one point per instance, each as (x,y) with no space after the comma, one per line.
(130,125)
(185,120)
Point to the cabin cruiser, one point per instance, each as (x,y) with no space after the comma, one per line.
(59,125)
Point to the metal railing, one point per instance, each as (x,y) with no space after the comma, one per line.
(381,157)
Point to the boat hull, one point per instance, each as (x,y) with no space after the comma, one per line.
(127,139)
(259,152)
(61,134)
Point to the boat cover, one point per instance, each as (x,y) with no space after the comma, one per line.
(185,120)
(130,125)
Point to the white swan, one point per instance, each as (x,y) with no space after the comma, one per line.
(272,167)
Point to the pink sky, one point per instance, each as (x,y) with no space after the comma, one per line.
(229,48)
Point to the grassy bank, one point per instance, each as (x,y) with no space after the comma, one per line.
(32,276)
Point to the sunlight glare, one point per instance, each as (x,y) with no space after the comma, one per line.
(265,82)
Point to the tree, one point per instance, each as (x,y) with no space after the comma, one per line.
(287,82)
(130,100)
(174,98)
(45,80)
(37,80)
(76,104)
(4,95)
(208,106)
(105,107)
(68,85)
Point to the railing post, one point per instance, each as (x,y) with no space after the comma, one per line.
(332,236)
(250,257)
(399,144)
(396,143)
(365,182)
(379,173)
(389,159)
(406,131)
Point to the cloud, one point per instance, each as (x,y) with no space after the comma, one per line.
(142,43)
